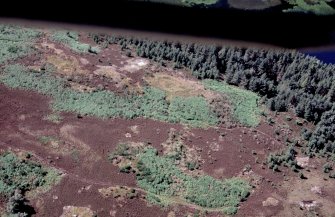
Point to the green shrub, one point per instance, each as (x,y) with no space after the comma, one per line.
(192,165)
(71,40)
(125,169)
(22,174)
(245,103)
(327,168)
(332,175)
(16,42)
(286,157)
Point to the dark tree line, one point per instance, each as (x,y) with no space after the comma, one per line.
(287,79)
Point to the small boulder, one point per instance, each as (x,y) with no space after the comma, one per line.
(270,201)
(308,204)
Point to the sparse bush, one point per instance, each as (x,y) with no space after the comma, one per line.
(270,121)
(327,168)
(192,165)
(306,134)
(298,122)
(302,176)
(125,169)
(128,53)
(121,150)
(332,175)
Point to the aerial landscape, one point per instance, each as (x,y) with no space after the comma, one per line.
(318,7)
(97,123)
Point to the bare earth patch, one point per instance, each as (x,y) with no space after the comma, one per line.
(66,64)
(71,211)
(135,64)
(118,192)
(302,199)
(113,73)
(81,87)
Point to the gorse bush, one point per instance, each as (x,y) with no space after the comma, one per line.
(160,176)
(16,42)
(105,104)
(71,39)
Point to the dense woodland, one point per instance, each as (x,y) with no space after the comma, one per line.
(287,80)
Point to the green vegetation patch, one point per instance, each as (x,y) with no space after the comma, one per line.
(105,104)
(318,7)
(184,2)
(16,42)
(71,40)
(167,184)
(23,174)
(245,102)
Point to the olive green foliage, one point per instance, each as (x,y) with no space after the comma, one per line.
(105,104)
(71,40)
(22,174)
(318,7)
(159,176)
(16,42)
(245,103)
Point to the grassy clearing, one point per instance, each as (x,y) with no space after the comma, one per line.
(16,173)
(167,184)
(175,86)
(318,7)
(245,103)
(71,40)
(16,42)
(193,111)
